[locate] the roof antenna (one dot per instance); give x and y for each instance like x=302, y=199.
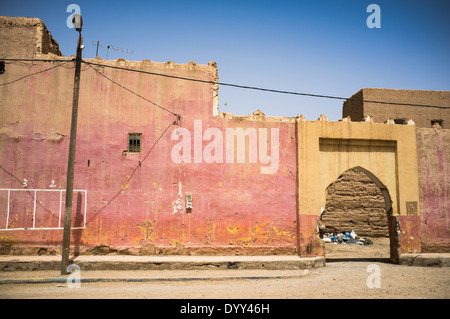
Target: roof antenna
x=109, y=47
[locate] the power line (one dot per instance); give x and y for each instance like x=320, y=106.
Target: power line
x=264, y=89
x=132, y=173
x=230, y=85
x=32, y=74
x=35, y=60
x=65, y=62
x=138, y=95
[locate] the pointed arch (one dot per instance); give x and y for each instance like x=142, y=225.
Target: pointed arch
x=393, y=224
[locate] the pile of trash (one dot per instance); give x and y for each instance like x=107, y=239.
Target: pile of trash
x=346, y=238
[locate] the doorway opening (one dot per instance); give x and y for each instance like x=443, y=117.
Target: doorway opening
x=357, y=221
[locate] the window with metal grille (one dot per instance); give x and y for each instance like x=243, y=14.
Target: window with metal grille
x=134, y=142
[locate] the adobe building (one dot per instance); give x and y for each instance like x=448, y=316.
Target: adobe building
x=430, y=111
x=161, y=170
x=425, y=108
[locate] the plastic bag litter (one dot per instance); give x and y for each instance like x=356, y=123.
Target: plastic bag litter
x=346, y=238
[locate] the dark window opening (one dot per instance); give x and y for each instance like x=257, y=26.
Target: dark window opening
x=437, y=122
x=400, y=121
x=2, y=67
x=134, y=142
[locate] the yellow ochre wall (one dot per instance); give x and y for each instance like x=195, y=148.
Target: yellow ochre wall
x=327, y=149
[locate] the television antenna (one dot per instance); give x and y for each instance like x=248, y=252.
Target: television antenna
x=98, y=45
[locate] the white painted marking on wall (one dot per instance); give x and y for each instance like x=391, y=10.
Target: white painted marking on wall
x=9, y=190
x=7, y=214
x=34, y=210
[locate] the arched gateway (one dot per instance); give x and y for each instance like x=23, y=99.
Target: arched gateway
x=386, y=153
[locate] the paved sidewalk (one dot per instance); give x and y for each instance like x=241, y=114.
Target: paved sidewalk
x=136, y=276
x=119, y=262
x=116, y=268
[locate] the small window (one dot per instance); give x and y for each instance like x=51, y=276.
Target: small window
x=436, y=123
x=134, y=142
x=400, y=121
x=2, y=67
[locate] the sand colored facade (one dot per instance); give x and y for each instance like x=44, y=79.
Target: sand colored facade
x=202, y=182
x=385, y=152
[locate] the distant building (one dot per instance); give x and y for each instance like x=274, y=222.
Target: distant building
x=359, y=106
x=433, y=148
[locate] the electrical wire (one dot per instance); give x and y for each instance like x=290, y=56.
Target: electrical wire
x=32, y=74
x=35, y=60
x=138, y=95
x=120, y=191
x=264, y=89
x=217, y=83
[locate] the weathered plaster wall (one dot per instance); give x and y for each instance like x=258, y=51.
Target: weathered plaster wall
x=136, y=202
x=433, y=155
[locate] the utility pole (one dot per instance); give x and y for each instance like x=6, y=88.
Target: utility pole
x=78, y=23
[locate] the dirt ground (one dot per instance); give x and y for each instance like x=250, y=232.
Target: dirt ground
x=339, y=279
x=379, y=249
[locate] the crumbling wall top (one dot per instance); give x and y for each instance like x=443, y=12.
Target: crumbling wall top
x=26, y=38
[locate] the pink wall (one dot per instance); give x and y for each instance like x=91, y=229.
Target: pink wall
x=134, y=200
x=434, y=183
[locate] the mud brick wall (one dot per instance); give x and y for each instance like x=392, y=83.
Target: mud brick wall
x=354, y=202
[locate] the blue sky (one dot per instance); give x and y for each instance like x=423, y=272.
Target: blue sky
x=319, y=47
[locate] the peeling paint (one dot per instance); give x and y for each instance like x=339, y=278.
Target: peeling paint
x=147, y=228
x=178, y=205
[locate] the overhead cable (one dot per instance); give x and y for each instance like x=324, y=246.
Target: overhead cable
x=263, y=89
x=32, y=74
x=138, y=95
x=218, y=83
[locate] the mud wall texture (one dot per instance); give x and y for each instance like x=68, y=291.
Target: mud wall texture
x=356, y=203
x=433, y=155
x=380, y=113
x=26, y=38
